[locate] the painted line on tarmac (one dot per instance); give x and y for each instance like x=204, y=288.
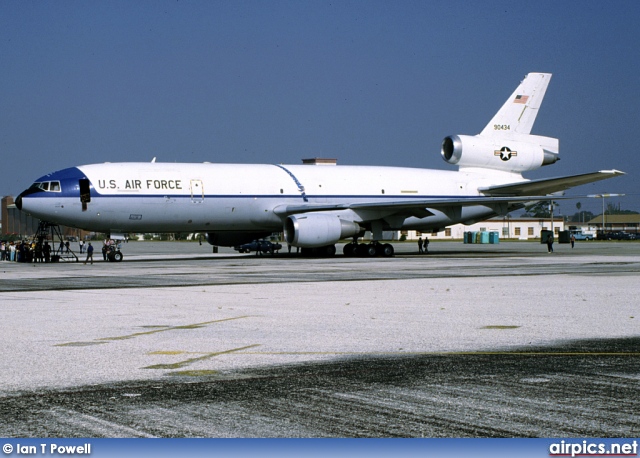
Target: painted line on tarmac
x=190, y=361
x=103, y=340
x=446, y=353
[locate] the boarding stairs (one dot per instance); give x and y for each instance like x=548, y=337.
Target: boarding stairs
x=60, y=250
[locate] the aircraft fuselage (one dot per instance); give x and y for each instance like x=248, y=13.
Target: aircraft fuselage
x=165, y=197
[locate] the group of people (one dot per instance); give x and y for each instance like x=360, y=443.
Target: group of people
x=423, y=245
x=23, y=251
x=39, y=250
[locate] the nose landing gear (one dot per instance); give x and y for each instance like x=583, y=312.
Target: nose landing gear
x=114, y=256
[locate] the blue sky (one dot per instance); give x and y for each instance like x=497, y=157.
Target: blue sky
x=368, y=82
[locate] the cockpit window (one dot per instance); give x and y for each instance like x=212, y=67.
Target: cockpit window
x=48, y=186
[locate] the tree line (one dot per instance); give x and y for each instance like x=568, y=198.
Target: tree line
x=542, y=209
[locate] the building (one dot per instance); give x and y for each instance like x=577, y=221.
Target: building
x=508, y=227
x=16, y=223
x=614, y=223
x=19, y=225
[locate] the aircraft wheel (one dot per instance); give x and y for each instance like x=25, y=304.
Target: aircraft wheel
x=370, y=250
x=117, y=256
x=349, y=249
x=330, y=250
x=386, y=250
x=361, y=250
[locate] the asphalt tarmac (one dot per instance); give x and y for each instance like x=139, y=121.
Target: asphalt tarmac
x=468, y=341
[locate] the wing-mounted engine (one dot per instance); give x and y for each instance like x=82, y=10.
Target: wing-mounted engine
x=511, y=153
x=311, y=230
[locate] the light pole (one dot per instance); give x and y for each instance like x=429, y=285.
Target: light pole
x=551, y=212
x=508, y=218
x=603, y=196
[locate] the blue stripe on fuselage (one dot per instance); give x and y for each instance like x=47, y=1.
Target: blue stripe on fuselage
x=325, y=198
x=296, y=181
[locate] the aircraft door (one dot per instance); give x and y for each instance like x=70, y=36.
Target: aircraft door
x=85, y=193
x=197, y=191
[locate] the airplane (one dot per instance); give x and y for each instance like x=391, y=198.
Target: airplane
x=316, y=205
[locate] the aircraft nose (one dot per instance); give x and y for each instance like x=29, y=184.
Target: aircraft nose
x=18, y=202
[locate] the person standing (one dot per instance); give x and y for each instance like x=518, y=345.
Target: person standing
x=46, y=252
x=420, y=250
x=550, y=243
x=426, y=244
x=573, y=240
x=89, y=254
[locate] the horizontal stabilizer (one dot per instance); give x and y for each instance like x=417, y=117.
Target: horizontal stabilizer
x=548, y=185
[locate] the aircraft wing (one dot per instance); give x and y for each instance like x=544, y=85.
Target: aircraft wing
x=417, y=204
x=516, y=193
x=548, y=185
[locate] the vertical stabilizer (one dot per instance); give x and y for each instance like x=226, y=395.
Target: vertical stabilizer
x=519, y=112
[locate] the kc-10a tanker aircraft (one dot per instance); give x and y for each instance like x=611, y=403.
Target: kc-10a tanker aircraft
x=316, y=205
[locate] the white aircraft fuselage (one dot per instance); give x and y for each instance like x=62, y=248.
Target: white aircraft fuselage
x=165, y=197
x=315, y=205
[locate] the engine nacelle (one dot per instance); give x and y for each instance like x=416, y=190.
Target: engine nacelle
x=310, y=230
x=513, y=153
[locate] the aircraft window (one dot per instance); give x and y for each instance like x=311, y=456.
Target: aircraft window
x=55, y=186
x=44, y=186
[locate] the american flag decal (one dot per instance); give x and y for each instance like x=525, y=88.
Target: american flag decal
x=521, y=99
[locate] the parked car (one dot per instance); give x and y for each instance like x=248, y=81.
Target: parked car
x=618, y=235
x=579, y=235
x=626, y=236
x=259, y=246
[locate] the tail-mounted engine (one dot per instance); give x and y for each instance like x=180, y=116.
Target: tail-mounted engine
x=512, y=153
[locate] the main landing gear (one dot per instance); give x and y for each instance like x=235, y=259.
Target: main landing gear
x=352, y=249
x=364, y=250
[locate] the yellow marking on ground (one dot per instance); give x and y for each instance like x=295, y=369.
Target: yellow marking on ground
x=189, y=361
x=443, y=353
x=175, y=352
x=172, y=328
x=497, y=326
x=145, y=333
x=79, y=344
x=202, y=373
